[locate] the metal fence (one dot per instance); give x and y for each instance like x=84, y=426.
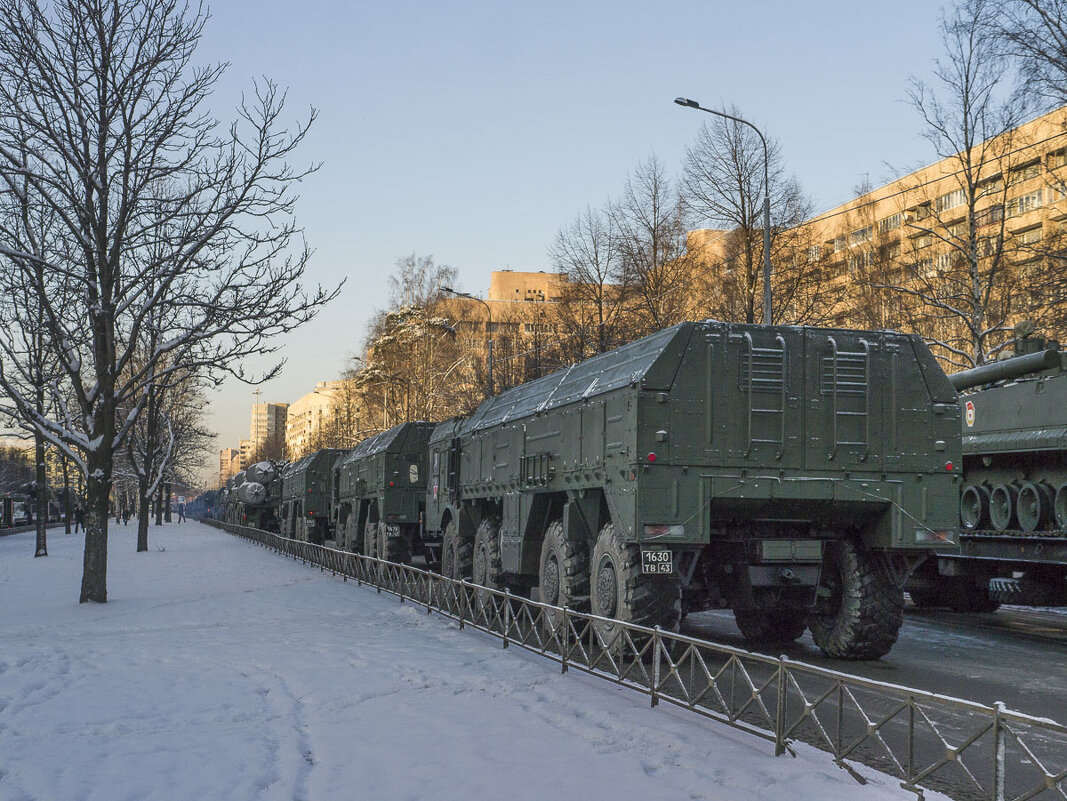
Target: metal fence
x=963, y=749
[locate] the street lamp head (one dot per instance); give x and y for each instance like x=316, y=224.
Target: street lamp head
x=685, y=101
x=447, y=289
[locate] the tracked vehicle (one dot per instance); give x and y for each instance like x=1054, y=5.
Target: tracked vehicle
x=795, y=475
x=381, y=495
x=1013, y=500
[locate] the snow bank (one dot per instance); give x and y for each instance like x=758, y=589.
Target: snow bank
x=219, y=670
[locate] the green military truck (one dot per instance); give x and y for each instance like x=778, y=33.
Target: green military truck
x=307, y=491
x=381, y=495
x=795, y=475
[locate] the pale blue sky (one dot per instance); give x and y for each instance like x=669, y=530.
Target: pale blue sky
x=473, y=131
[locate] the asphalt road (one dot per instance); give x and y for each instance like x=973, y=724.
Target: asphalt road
x=1015, y=655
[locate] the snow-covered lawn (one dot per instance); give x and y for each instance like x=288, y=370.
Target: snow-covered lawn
x=219, y=670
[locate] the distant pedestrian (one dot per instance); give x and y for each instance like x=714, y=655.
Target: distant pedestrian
x=181, y=511
x=79, y=519
x=126, y=516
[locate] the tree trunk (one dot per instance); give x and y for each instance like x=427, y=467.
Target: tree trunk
x=166, y=502
x=94, y=566
x=144, y=506
x=42, y=499
x=144, y=514
x=67, y=509
x=159, y=506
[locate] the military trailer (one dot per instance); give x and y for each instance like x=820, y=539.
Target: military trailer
x=795, y=475
x=307, y=491
x=1013, y=502
x=381, y=495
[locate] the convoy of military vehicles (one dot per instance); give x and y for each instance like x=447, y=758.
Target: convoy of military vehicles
x=797, y=476
x=801, y=477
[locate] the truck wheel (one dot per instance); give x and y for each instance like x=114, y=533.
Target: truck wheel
x=456, y=553
x=621, y=591
x=370, y=540
x=394, y=549
x=771, y=625
x=487, y=569
x=564, y=575
x=860, y=608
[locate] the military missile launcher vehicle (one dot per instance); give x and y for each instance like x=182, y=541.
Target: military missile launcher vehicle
x=255, y=496
x=381, y=496
x=1013, y=500
x=307, y=491
x=795, y=475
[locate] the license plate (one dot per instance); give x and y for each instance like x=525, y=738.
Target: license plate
x=658, y=561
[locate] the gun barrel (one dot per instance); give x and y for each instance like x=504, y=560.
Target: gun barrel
x=1007, y=369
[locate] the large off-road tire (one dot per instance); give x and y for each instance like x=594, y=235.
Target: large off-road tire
x=394, y=549
x=487, y=567
x=621, y=591
x=456, y=553
x=564, y=574
x=860, y=609
x=771, y=626
x=370, y=540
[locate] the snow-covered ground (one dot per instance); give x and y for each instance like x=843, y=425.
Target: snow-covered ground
x=219, y=670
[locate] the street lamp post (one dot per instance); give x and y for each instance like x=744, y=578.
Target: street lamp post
x=684, y=101
x=489, y=327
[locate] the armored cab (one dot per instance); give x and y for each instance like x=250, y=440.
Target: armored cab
x=306, y=495
x=1013, y=503
x=381, y=492
x=795, y=475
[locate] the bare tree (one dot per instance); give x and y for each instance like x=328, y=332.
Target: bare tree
x=102, y=123
x=960, y=267
x=417, y=281
x=650, y=226
x=1034, y=33
x=723, y=180
x=591, y=310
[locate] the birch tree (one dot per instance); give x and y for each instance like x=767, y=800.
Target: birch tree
x=104, y=122
x=960, y=269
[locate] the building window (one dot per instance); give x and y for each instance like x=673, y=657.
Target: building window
x=1024, y=203
x=1031, y=236
x=861, y=260
x=890, y=223
x=859, y=236
x=993, y=186
x=951, y=200
x=945, y=261
x=814, y=253
x=839, y=244
x=1028, y=171
x=1057, y=159
x=989, y=216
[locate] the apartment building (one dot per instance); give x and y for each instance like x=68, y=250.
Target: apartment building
x=307, y=418
x=1000, y=209
x=229, y=463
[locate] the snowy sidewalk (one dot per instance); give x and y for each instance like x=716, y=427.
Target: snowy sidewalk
x=219, y=670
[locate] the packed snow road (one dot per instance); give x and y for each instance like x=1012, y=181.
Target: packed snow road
x=220, y=671
x=1014, y=655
